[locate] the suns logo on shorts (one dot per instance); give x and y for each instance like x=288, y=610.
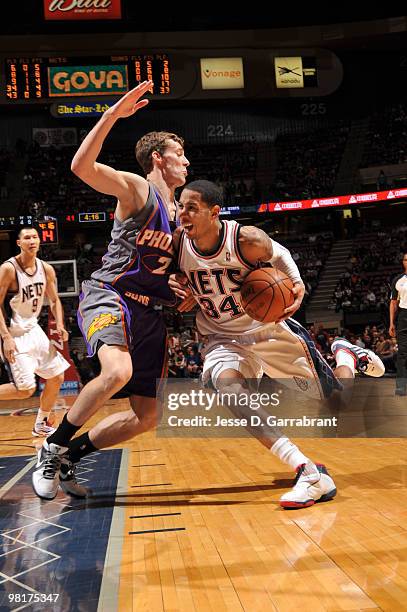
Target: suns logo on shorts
x=102, y=320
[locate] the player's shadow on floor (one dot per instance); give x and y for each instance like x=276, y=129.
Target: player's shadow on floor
x=388, y=477
x=26, y=439
x=139, y=499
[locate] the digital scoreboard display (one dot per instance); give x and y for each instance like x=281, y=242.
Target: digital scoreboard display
x=91, y=217
x=48, y=231
x=16, y=222
x=42, y=78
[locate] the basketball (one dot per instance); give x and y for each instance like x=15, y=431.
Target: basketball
x=266, y=293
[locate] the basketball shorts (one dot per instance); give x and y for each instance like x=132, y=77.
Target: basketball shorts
x=35, y=355
x=105, y=316
x=283, y=351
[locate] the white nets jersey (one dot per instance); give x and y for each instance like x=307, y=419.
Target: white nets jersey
x=215, y=281
x=26, y=304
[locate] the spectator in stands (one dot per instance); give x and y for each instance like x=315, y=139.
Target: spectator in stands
x=322, y=338
x=193, y=363
x=381, y=181
x=172, y=370
x=371, y=298
x=180, y=364
x=385, y=350
x=359, y=341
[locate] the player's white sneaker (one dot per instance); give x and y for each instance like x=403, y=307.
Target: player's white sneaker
x=45, y=478
x=310, y=487
x=42, y=429
x=366, y=361
x=67, y=479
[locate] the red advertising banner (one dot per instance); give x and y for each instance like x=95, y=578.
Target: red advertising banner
x=345, y=200
x=82, y=9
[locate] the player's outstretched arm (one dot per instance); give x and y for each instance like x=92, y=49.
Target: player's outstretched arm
x=130, y=189
x=256, y=246
x=393, y=308
x=7, y=276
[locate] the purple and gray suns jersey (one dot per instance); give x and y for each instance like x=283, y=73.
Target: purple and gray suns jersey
x=139, y=257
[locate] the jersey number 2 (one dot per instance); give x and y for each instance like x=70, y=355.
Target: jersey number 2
x=165, y=261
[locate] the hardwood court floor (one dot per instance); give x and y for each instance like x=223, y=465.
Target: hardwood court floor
x=203, y=529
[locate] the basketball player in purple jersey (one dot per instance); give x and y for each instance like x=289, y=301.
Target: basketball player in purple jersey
x=116, y=311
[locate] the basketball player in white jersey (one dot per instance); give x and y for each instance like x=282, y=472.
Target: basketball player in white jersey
x=215, y=256
x=25, y=348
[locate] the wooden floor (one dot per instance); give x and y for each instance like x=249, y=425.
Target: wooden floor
x=225, y=544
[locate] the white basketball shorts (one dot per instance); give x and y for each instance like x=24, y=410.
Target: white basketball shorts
x=35, y=355
x=282, y=351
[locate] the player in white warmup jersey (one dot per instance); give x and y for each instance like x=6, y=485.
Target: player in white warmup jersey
x=24, y=347
x=215, y=256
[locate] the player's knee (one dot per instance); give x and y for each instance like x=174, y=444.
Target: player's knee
x=115, y=378
x=25, y=393
x=231, y=393
x=231, y=388
x=60, y=378
x=57, y=380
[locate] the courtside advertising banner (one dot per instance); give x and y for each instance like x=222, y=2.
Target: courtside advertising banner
x=63, y=10
x=342, y=200
x=222, y=73
x=87, y=80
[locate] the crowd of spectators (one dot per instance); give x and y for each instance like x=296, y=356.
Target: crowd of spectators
x=306, y=166
x=49, y=186
x=308, y=162
x=310, y=255
x=184, y=354
x=304, y=163
x=232, y=168
x=386, y=141
x=373, y=262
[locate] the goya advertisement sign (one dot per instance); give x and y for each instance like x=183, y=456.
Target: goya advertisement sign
x=87, y=80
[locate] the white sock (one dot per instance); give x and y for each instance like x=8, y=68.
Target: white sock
x=41, y=416
x=344, y=358
x=290, y=454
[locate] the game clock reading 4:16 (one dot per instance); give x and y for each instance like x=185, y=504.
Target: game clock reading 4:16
x=91, y=217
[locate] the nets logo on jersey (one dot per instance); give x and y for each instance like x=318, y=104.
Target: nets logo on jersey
x=302, y=383
x=101, y=321
x=32, y=291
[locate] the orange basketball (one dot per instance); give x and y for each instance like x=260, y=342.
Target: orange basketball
x=265, y=294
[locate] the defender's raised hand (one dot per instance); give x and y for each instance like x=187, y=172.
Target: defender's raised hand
x=130, y=103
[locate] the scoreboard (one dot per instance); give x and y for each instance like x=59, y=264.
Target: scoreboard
x=45, y=78
x=179, y=74
x=47, y=228
x=48, y=231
